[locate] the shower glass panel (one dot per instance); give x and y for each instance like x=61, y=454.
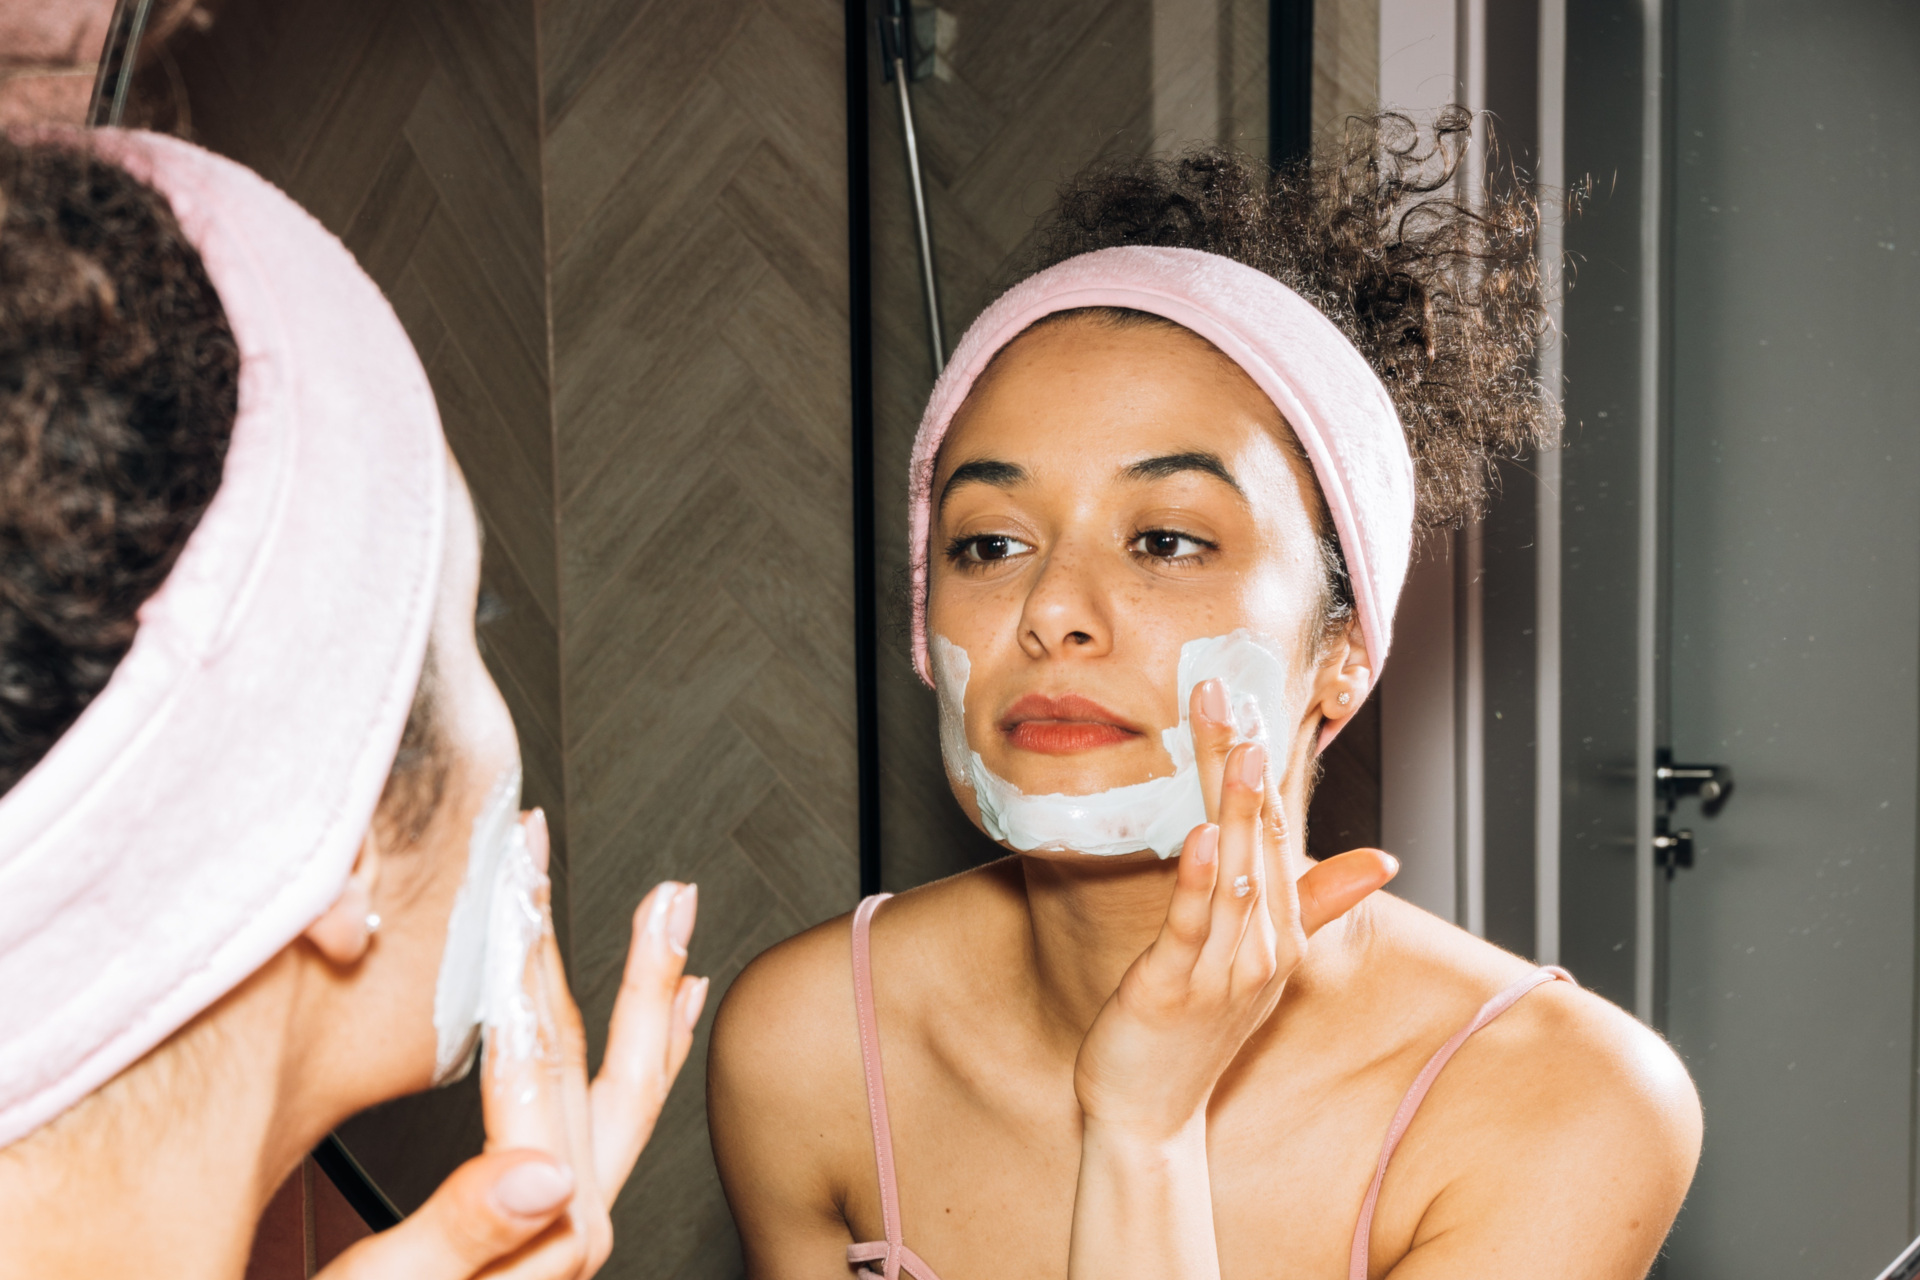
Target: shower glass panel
x=1009, y=99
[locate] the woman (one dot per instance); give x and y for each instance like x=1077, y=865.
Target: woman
x=261, y=860
x=1163, y=500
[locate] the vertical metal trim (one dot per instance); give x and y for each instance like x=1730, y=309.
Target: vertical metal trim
x=1470, y=730
x=1647, y=596
x=1913, y=1075
x=1550, y=189
x=866, y=678
x=1469, y=563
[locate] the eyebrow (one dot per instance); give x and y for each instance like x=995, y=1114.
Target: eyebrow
x=1174, y=463
x=1001, y=475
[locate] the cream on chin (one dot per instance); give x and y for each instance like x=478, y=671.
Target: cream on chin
x=1156, y=814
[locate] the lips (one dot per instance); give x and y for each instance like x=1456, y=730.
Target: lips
x=1063, y=725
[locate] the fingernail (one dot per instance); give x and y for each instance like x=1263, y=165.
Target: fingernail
x=1393, y=864
x=686, y=903
x=1207, y=847
x=694, y=1002
x=1253, y=764
x=533, y=1189
x=539, y=839
x=1213, y=701
x=657, y=911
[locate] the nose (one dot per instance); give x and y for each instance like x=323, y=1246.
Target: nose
x=1067, y=612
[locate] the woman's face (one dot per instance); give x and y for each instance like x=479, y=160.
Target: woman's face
x=1108, y=493
x=418, y=883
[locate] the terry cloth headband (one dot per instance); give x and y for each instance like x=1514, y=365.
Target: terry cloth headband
x=1319, y=381
x=206, y=807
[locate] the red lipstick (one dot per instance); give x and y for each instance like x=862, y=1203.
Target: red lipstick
x=1063, y=725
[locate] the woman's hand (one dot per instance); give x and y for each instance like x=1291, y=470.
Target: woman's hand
x=1231, y=937
x=1148, y=1065
x=534, y=1205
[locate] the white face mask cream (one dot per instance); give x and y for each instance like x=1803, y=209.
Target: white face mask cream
x=499, y=915
x=1156, y=814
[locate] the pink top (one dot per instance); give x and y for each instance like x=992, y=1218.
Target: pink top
x=892, y=1253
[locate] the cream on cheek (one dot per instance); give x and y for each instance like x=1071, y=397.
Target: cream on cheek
x=1156, y=814
x=499, y=915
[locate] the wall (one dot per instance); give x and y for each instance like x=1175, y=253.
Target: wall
x=48, y=53
x=616, y=235
x=696, y=203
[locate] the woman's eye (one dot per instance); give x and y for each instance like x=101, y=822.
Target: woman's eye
x=1165, y=544
x=990, y=547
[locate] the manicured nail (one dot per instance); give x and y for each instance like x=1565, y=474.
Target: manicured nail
x=1207, y=847
x=658, y=909
x=533, y=1189
x=1253, y=764
x=686, y=903
x=1393, y=864
x=1213, y=701
x=693, y=1002
x=539, y=839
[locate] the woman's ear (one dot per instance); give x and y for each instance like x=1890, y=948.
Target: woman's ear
x=1346, y=676
x=345, y=930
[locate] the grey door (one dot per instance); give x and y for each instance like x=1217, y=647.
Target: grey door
x=1793, y=624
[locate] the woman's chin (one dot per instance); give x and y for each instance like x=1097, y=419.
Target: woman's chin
x=1081, y=773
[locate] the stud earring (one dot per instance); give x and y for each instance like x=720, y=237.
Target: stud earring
x=373, y=923
x=1344, y=698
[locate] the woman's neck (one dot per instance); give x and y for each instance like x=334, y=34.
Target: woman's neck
x=163, y=1171
x=1091, y=919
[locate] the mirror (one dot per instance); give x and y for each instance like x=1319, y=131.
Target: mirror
x=681, y=283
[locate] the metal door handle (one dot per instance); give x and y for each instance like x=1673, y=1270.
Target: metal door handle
x=1713, y=783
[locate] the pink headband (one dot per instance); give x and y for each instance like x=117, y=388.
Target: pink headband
x=206, y=808
x=1321, y=384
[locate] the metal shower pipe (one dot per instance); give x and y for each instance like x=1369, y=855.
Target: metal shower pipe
x=894, y=48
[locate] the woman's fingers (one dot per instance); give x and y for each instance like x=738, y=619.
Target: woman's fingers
x=1184, y=933
x=650, y=1034
x=1210, y=721
x=490, y=1209
x=522, y=1072
x=590, y=1200
x=1241, y=874
x=1334, y=887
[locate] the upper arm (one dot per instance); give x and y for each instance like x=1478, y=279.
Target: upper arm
x=1582, y=1156
x=778, y=1103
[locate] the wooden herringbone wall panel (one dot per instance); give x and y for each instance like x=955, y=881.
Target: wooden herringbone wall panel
x=1034, y=94
x=697, y=212
x=411, y=129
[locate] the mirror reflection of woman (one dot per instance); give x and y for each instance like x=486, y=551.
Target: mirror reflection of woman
x=1234, y=1061
x=250, y=758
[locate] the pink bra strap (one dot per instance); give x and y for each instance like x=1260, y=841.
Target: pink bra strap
x=876, y=1084
x=1363, y=1230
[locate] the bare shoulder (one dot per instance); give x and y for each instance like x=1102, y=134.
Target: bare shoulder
x=1558, y=1042
x=785, y=1055
x=1565, y=1111
x=784, y=1028
x=790, y=1013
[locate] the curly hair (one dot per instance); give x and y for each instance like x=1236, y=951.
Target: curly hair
x=1442, y=297
x=118, y=387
